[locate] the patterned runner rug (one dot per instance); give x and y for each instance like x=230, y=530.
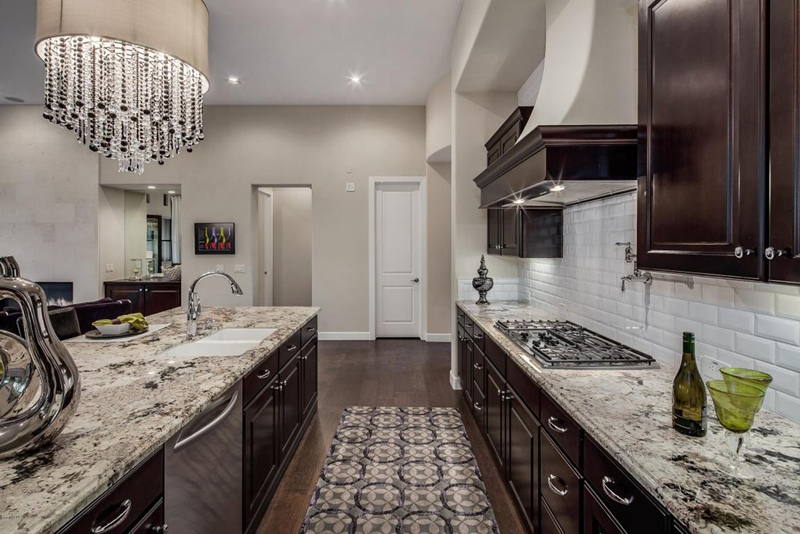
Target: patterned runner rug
x=398, y=471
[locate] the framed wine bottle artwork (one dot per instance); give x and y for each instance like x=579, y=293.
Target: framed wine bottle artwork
x=215, y=239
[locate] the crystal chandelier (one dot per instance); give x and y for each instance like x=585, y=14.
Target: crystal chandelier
x=114, y=77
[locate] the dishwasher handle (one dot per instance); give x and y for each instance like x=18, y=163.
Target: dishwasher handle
x=182, y=443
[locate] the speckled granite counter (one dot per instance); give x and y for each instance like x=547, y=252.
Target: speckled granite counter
x=133, y=400
x=629, y=414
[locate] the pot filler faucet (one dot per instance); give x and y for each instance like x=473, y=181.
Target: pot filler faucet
x=638, y=275
x=193, y=309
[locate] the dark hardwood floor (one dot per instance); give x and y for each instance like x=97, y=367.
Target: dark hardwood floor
x=381, y=373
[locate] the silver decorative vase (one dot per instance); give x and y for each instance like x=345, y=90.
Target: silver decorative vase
x=39, y=382
x=481, y=283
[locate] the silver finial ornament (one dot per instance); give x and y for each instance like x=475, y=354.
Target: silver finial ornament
x=482, y=283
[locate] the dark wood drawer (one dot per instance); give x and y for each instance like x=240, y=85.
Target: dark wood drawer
x=478, y=336
x=290, y=348
x=561, y=486
x=549, y=525
x=126, y=501
x=260, y=377
x=460, y=316
x=628, y=503
x=479, y=405
x=563, y=429
x=309, y=330
x=496, y=355
x=526, y=389
x=478, y=367
x=153, y=522
x=677, y=528
x=598, y=520
x=468, y=325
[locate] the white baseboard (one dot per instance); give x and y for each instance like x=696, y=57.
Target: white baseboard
x=439, y=338
x=344, y=336
x=455, y=381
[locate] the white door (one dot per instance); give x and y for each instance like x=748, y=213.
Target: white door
x=398, y=251
x=266, y=246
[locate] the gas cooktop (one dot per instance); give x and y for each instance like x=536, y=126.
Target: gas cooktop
x=565, y=345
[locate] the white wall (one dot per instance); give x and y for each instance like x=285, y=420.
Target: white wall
x=737, y=323
x=48, y=201
x=111, y=233
x=438, y=122
x=292, y=244
x=321, y=146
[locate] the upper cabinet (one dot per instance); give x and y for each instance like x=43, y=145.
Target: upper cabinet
x=702, y=120
x=783, y=244
x=508, y=134
x=525, y=232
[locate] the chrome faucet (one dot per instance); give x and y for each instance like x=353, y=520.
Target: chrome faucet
x=193, y=309
x=638, y=275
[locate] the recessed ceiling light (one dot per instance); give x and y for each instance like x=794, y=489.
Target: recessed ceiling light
x=557, y=188
x=355, y=79
x=171, y=192
x=234, y=80
x=518, y=201
x=151, y=187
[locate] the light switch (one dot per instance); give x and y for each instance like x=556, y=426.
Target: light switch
x=239, y=269
x=351, y=187
x=109, y=267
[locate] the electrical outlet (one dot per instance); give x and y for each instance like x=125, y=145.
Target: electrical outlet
x=109, y=267
x=351, y=187
x=711, y=367
x=220, y=268
x=239, y=269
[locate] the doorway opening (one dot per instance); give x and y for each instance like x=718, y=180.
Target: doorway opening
x=284, y=245
x=397, y=257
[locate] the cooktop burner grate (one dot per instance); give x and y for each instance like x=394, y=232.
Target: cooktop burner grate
x=562, y=344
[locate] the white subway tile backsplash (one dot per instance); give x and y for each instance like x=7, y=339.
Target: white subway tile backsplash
x=738, y=323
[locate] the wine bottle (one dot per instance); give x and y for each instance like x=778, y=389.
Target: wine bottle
x=689, y=401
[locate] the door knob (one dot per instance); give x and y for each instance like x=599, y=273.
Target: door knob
x=740, y=252
x=415, y=280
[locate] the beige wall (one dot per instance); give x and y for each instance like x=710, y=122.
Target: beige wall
x=111, y=233
x=437, y=122
x=292, y=231
x=321, y=146
x=48, y=201
x=439, y=296
x=135, y=231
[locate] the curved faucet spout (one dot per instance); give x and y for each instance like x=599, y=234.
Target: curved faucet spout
x=193, y=307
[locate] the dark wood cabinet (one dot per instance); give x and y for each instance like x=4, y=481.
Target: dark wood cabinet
x=503, y=232
x=702, y=139
x=495, y=414
x=561, y=486
x=308, y=376
x=261, y=454
x=783, y=243
x=153, y=522
x=523, y=458
x=494, y=243
x=525, y=232
x=596, y=519
x=507, y=135
x=147, y=297
x=290, y=403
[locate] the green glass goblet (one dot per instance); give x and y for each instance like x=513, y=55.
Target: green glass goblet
x=736, y=404
x=758, y=379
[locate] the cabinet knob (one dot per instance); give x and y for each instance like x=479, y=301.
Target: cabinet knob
x=163, y=529
x=771, y=253
x=478, y=406
x=740, y=252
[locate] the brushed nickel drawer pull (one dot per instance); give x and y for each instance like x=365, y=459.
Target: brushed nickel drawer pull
x=117, y=521
x=551, y=482
x=311, y=329
x=608, y=481
x=552, y=422
x=477, y=366
x=264, y=375
x=478, y=406
x=291, y=348
x=478, y=336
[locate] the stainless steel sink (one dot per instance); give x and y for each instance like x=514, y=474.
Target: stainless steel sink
x=226, y=342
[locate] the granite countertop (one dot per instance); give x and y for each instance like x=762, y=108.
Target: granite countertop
x=132, y=401
x=629, y=413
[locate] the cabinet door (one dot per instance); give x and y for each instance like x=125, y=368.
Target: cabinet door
x=468, y=374
x=158, y=299
x=495, y=412
x=510, y=240
x=134, y=293
x=523, y=458
x=310, y=362
x=261, y=458
x=702, y=142
x=596, y=519
x=495, y=229
x=784, y=140
x=290, y=404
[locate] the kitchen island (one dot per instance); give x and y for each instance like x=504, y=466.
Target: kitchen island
x=133, y=400
x=628, y=414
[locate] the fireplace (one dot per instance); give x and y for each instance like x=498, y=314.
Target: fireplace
x=57, y=293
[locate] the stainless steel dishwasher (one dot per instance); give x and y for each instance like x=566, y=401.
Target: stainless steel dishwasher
x=203, y=470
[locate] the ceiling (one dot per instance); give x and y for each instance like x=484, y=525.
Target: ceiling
x=286, y=51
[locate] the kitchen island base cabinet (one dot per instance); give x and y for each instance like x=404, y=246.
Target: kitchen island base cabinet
x=596, y=519
x=523, y=458
x=261, y=458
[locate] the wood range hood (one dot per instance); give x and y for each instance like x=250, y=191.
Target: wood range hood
x=585, y=162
